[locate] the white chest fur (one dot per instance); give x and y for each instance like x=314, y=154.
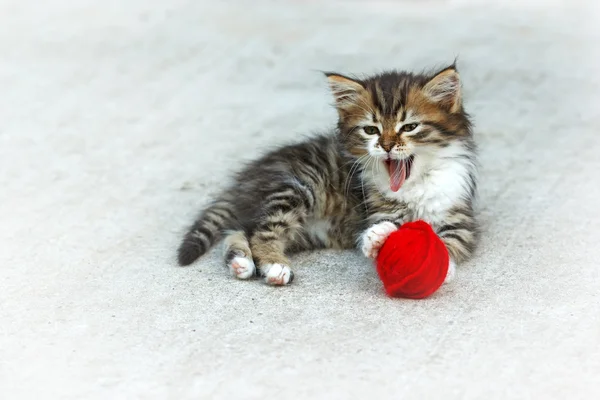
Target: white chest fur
x=436, y=184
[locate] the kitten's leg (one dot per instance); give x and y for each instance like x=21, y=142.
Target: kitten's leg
x=269, y=242
x=238, y=256
x=373, y=238
x=459, y=234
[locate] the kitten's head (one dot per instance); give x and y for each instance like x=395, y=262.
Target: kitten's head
x=395, y=117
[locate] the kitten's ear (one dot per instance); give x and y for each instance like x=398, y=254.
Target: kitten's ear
x=346, y=91
x=444, y=88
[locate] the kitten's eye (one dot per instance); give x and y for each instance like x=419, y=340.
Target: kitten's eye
x=371, y=130
x=409, y=127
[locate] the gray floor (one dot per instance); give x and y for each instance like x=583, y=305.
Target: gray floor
x=118, y=120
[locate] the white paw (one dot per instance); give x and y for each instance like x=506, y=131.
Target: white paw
x=451, y=271
x=242, y=267
x=375, y=236
x=277, y=274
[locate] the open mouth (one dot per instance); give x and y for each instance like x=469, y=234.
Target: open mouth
x=399, y=171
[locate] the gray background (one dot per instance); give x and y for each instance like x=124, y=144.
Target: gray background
x=119, y=120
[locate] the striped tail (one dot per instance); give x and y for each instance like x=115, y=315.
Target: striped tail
x=206, y=231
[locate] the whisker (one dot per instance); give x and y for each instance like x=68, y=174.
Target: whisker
x=368, y=108
x=362, y=184
x=353, y=169
x=373, y=171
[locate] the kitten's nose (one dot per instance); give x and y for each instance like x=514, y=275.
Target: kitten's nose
x=387, y=145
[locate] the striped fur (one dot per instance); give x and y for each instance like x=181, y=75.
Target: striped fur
x=329, y=191
x=207, y=230
x=299, y=197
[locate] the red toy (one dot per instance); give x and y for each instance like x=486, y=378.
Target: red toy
x=413, y=261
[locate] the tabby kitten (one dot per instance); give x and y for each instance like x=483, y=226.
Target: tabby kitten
x=403, y=150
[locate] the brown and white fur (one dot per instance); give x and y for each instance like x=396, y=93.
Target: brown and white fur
x=403, y=150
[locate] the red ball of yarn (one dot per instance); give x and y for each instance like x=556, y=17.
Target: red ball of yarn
x=413, y=261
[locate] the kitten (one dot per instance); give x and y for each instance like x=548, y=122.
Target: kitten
x=403, y=150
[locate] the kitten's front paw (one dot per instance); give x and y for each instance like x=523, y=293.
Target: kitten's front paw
x=278, y=274
x=375, y=236
x=451, y=272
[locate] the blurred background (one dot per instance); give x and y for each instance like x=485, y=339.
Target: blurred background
x=120, y=119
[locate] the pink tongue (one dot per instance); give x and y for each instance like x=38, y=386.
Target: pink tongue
x=397, y=170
